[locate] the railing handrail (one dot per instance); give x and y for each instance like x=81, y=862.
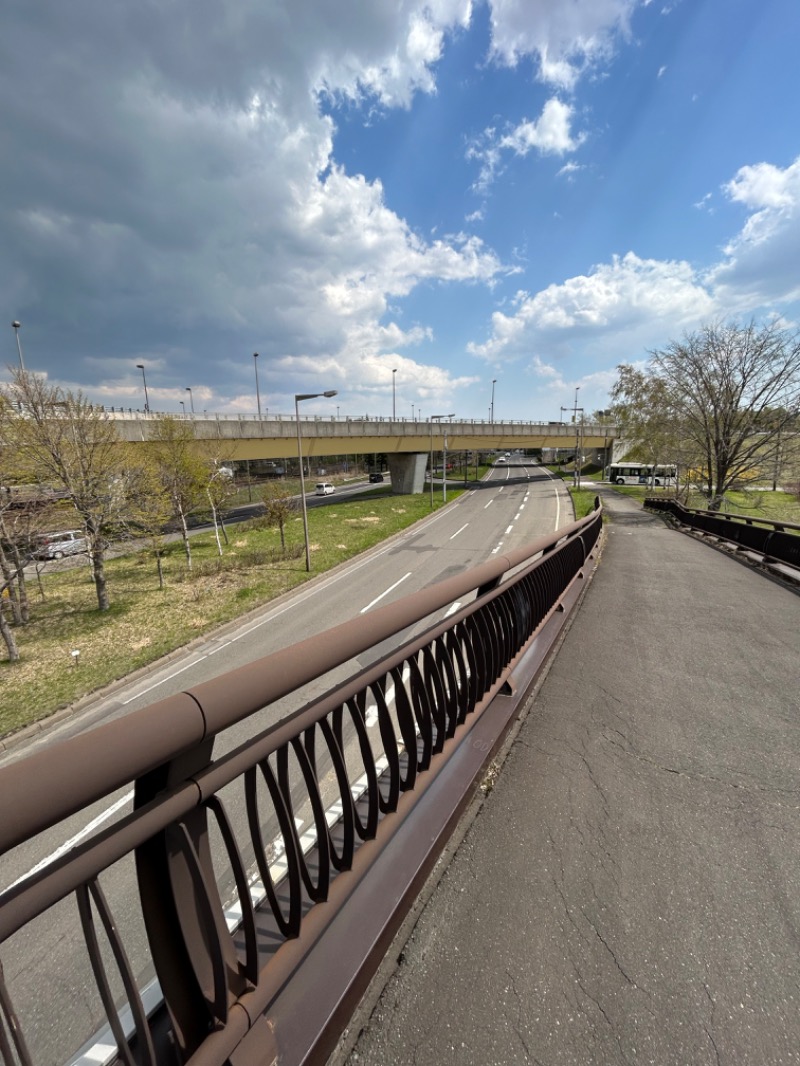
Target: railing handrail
x=777, y=524
x=159, y=733
x=441, y=701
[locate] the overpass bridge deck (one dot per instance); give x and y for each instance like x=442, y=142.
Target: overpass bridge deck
x=273, y=438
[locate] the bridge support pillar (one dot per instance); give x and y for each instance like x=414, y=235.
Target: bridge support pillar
x=408, y=472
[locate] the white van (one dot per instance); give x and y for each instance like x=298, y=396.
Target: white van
x=57, y=545
x=324, y=488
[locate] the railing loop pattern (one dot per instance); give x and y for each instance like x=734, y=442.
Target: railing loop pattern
x=230, y=884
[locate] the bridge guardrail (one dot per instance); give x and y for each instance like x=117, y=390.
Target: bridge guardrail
x=775, y=544
x=415, y=727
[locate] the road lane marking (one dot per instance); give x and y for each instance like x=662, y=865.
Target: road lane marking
x=68, y=845
x=386, y=593
x=459, y=530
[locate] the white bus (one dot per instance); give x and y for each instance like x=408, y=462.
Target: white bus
x=642, y=473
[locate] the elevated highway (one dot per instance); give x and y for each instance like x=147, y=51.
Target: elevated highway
x=276, y=438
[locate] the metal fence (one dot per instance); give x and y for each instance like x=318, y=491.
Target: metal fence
x=261, y=882
x=776, y=544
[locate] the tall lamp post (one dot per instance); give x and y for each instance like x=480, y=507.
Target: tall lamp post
x=394, y=405
x=183, y=405
x=16, y=327
x=258, y=394
x=298, y=397
x=578, y=426
x=191, y=398
x=140, y=366
x=491, y=414
x=437, y=418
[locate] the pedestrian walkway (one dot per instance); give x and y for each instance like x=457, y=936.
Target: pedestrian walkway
x=629, y=891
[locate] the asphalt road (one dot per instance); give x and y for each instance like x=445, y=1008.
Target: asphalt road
x=516, y=504
x=629, y=892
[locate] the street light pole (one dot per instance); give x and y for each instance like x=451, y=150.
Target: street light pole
x=394, y=405
x=494, y=382
x=298, y=397
x=436, y=418
x=191, y=398
x=183, y=405
x=258, y=394
x=16, y=327
x=140, y=366
x=578, y=428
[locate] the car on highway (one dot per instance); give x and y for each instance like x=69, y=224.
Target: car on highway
x=324, y=488
x=376, y=477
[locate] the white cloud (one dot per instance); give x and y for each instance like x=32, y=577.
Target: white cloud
x=565, y=37
x=760, y=264
x=625, y=302
x=189, y=203
x=550, y=134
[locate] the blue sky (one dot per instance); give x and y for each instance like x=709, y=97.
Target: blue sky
x=524, y=191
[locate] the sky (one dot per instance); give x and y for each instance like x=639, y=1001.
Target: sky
x=426, y=205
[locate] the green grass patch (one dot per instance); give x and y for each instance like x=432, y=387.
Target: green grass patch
x=582, y=501
x=756, y=503
x=145, y=622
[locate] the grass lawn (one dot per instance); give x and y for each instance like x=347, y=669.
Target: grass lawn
x=145, y=623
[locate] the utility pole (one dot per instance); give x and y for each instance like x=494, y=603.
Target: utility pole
x=578, y=433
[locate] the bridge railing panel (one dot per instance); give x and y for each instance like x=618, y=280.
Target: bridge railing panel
x=197, y=903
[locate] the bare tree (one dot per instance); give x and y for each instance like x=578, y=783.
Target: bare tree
x=644, y=411
x=147, y=507
x=67, y=442
x=181, y=471
x=279, y=506
x=732, y=393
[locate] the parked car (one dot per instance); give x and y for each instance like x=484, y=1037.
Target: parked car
x=376, y=477
x=57, y=545
x=324, y=488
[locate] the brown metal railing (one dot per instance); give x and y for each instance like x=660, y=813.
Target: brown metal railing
x=245, y=862
x=777, y=542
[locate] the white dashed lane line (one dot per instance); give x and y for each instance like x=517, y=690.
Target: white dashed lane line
x=386, y=593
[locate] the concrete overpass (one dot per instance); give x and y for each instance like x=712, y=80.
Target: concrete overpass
x=406, y=443
x=276, y=437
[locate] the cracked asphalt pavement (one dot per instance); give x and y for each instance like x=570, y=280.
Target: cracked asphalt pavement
x=629, y=890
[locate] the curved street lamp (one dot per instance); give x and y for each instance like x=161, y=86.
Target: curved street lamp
x=140, y=366
x=491, y=409
x=298, y=397
x=191, y=398
x=16, y=327
x=258, y=394
x=394, y=406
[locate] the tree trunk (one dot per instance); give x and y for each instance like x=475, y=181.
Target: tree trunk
x=216, y=526
x=9, y=590
x=8, y=637
x=185, y=534
x=99, y=576
x=22, y=587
